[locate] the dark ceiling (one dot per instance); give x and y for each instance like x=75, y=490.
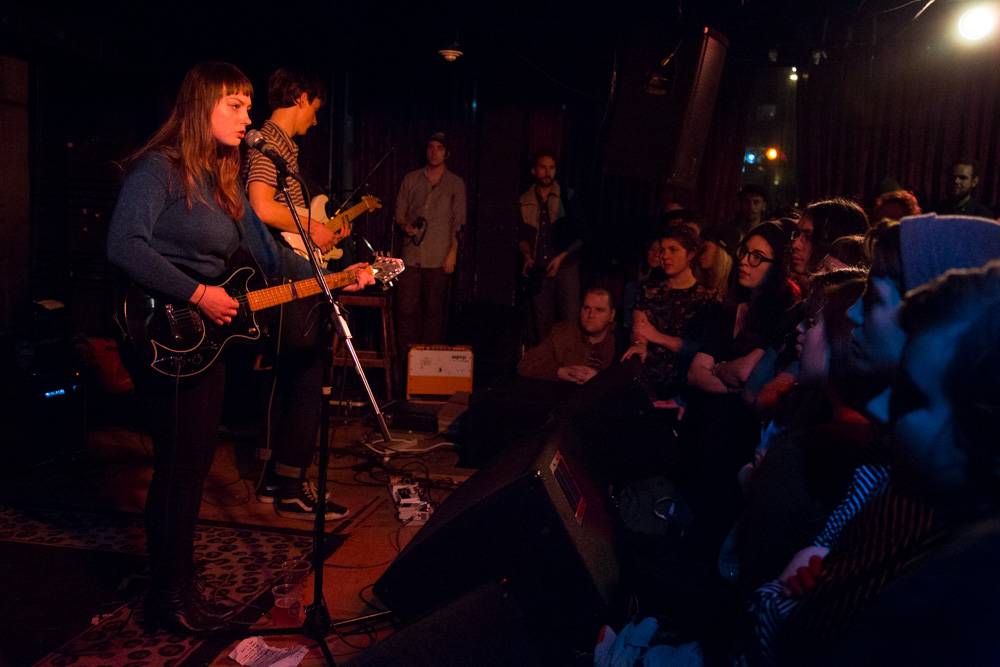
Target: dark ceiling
x=564, y=38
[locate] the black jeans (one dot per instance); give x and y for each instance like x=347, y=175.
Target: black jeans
x=297, y=406
x=185, y=426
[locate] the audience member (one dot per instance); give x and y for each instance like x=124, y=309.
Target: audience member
x=804, y=463
x=895, y=205
x=715, y=261
x=671, y=314
x=944, y=412
x=751, y=207
x=650, y=261
x=576, y=351
x=820, y=225
x=845, y=252
x=906, y=255
x=724, y=429
x=961, y=199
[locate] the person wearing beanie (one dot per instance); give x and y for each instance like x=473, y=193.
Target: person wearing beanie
x=430, y=213
x=904, y=256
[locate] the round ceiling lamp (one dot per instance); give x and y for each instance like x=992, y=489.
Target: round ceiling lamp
x=451, y=53
x=977, y=23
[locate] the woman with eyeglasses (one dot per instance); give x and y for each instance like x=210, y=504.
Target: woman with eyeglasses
x=723, y=428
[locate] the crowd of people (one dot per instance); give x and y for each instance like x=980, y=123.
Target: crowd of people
x=818, y=387
x=830, y=380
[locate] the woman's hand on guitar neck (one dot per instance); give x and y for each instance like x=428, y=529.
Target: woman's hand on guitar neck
x=215, y=304
x=364, y=277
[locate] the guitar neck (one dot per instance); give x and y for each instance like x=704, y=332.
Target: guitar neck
x=300, y=289
x=349, y=215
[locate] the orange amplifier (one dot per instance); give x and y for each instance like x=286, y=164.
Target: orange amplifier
x=438, y=371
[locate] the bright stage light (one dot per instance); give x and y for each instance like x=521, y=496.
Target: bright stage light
x=772, y=153
x=750, y=157
x=977, y=23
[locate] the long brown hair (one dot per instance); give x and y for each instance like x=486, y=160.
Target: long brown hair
x=186, y=137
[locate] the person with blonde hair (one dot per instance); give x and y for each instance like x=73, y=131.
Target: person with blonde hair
x=715, y=260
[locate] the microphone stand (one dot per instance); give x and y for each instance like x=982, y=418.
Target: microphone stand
x=364, y=182
x=389, y=445
x=317, y=624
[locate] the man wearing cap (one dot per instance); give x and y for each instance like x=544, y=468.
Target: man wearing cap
x=430, y=212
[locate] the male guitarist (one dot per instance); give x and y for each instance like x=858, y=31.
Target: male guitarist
x=549, y=238
x=294, y=414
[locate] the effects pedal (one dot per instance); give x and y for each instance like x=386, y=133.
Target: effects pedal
x=413, y=505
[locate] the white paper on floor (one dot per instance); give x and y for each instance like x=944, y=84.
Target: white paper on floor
x=254, y=652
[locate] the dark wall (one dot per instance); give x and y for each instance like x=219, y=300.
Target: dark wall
x=102, y=83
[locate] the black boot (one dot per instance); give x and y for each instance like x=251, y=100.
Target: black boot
x=173, y=609
x=211, y=606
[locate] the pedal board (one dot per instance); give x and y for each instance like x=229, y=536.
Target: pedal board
x=413, y=504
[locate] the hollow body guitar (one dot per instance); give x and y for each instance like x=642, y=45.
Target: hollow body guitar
x=173, y=338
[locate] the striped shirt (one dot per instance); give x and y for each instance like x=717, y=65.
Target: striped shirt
x=262, y=170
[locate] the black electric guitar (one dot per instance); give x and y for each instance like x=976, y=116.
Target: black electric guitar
x=175, y=340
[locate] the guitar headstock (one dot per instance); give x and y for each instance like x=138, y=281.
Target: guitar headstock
x=371, y=203
x=386, y=269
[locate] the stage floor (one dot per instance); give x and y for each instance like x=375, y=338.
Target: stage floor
x=110, y=478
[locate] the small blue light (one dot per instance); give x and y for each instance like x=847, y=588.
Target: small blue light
x=750, y=157
x=475, y=104
x=54, y=392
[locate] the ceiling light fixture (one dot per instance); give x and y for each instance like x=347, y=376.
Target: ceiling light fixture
x=451, y=53
x=977, y=23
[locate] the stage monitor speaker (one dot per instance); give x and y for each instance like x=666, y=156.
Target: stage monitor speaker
x=483, y=627
x=532, y=519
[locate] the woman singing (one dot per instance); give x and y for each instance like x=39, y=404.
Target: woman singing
x=182, y=212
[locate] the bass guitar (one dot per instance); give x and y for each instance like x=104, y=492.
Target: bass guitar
x=174, y=339
x=340, y=225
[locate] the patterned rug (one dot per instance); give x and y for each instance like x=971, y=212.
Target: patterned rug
x=240, y=563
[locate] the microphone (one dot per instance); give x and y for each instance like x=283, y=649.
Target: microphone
x=254, y=139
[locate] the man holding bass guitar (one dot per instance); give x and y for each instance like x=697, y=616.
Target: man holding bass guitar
x=549, y=238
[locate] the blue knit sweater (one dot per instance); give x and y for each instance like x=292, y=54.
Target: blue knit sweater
x=153, y=232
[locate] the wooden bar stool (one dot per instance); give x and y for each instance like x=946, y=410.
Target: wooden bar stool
x=383, y=358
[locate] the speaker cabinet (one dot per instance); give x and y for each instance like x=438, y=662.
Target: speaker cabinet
x=699, y=110
x=532, y=519
x=483, y=627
